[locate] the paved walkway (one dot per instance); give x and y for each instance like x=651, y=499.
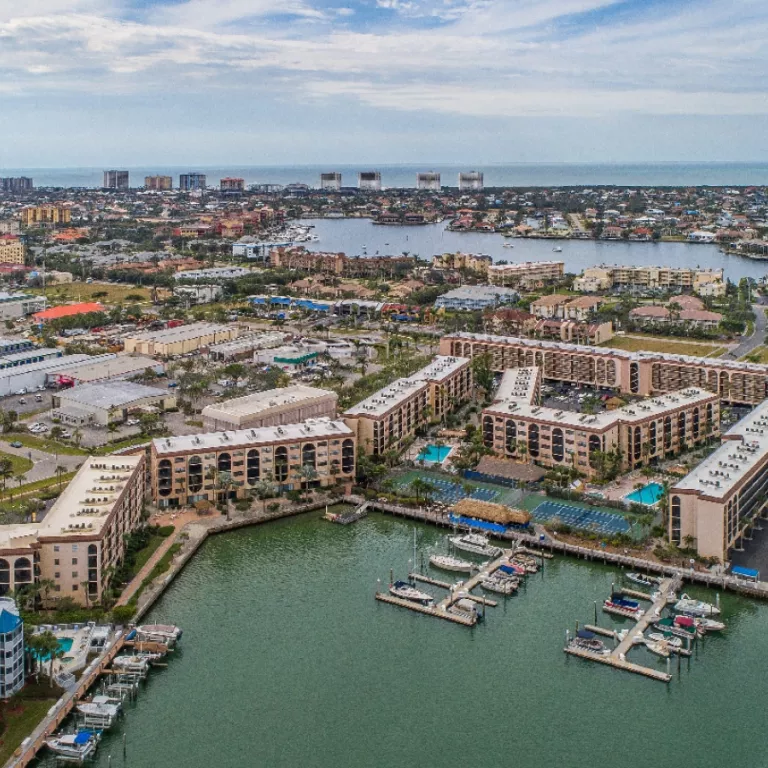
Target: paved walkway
x=178, y=522
x=43, y=464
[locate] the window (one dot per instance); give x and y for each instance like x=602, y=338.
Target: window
x=55, y=547
x=511, y=441
x=74, y=561
x=57, y=575
x=75, y=574
x=675, y=520
x=281, y=464
x=253, y=467
x=634, y=378
x=195, y=470
x=558, y=453
x=56, y=561
x=348, y=456
x=74, y=547
x=75, y=587
x=487, y=431
x=224, y=463
x=308, y=456
x=533, y=440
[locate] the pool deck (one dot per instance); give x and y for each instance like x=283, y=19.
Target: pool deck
x=75, y=658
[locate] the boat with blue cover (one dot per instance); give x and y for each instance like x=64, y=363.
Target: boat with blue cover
x=407, y=591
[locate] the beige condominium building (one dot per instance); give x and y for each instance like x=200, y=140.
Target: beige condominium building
x=470, y=261
x=42, y=215
x=633, y=373
x=194, y=468
x=516, y=426
x=11, y=250
x=603, y=278
x=387, y=418
x=713, y=506
x=82, y=537
x=180, y=340
x=527, y=274
x=287, y=405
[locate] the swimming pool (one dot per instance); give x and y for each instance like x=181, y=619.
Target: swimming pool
x=648, y=495
x=65, y=645
x=434, y=453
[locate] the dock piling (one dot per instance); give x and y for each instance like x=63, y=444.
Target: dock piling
x=596, y=612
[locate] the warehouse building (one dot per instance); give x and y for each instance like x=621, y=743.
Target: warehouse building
x=181, y=340
x=113, y=368
x=33, y=375
x=104, y=404
x=287, y=405
x=67, y=310
x=190, y=469
x=16, y=305
x=82, y=538
x=243, y=346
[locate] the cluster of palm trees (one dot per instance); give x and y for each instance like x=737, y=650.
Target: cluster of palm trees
x=40, y=647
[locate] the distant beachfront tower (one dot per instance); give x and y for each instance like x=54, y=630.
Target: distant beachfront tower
x=369, y=180
x=232, y=185
x=158, y=183
x=331, y=182
x=471, y=181
x=11, y=649
x=429, y=181
x=189, y=182
x=116, y=180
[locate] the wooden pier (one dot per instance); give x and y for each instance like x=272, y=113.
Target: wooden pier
x=445, y=585
x=440, y=613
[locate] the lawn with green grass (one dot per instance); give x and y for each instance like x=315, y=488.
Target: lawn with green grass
x=45, y=444
x=20, y=465
x=107, y=293
x=20, y=716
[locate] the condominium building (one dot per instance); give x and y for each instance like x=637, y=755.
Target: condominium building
x=11, y=250
x=516, y=426
x=634, y=373
x=180, y=340
x=471, y=181
x=189, y=182
x=298, y=257
x=330, y=182
x=287, y=405
x=158, y=183
x=16, y=185
x=195, y=468
x=469, y=298
x=712, y=507
x=11, y=648
x=470, y=261
x=564, y=307
x=369, y=181
x=604, y=278
x=82, y=537
x=429, y=181
x=230, y=184
x=116, y=180
x=45, y=215
x=527, y=274
x=387, y=418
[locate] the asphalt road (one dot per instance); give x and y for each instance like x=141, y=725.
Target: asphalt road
x=757, y=339
x=44, y=464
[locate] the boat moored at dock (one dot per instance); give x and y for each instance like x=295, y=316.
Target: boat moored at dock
x=74, y=747
x=408, y=591
x=475, y=543
x=159, y=633
x=693, y=607
x=448, y=563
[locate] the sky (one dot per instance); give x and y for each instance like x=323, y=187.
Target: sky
x=261, y=82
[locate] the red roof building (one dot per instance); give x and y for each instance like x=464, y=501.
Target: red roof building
x=66, y=310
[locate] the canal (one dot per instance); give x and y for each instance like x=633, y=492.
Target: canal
x=287, y=660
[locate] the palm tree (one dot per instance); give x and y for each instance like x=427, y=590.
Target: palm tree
x=421, y=488
x=307, y=473
x=6, y=471
x=265, y=489
x=60, y=471
x=77, y=437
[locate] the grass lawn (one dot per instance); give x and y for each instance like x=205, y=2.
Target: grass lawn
x=104, y=450
x=115, y=294
x=759, y=355
x=19, y=464
x=44, y=444
x=39, y=485
x=143, y=555
x=673, y=346
x=21, y=716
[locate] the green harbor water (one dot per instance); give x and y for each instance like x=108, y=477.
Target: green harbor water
x=287, y=660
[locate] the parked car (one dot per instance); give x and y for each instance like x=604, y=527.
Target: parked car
x=38, y=398
x=22, y=401
x=132, y=423
x=17, y=444
x=172, y=384
x=22, y=391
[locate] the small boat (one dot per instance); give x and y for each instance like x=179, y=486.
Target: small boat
x=500, y=586
x=659, y=648
x=407, y=591
x=638, y=578
x=588, y=641
x=670, y=625
x=136, y=664
x=623, y=608
x=159, y=633
x=476, y=544
x=671, y=640
x=507, y=245
x=513, y=569
x=464, y=607
x=709, y=625
x=557, y=249
x=528, y=565
x=74, y=747
x=448, y=563
x=98, y=714
x=693, y=607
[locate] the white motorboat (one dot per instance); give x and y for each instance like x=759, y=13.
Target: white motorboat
x=710, y=625
x=557, y=249
x=672, y=641
x=448, y=563
x=465, y=607
x=73, y=747
x=507, y=245
x=406, y=591
x=500, y=586
x=159, y=633
x=638, y=578
x=136, y=664
x=98, y=714
x=475, y=543
x=693, y=607
x=659, y=648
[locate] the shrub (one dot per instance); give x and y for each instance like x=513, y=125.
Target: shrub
x=122, y=614
x=165, y=530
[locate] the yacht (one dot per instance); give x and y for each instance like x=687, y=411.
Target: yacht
x=500, y=586
x=659, y=648
x=448, y=563
x=557, y=249
x=98, y=714
x=136, y=664
x=644, y=581
x=588, y=641
x=672, y=641
x=407, y=591
x=74, y=747
x=710, y=625
x=159, y=633
x=693, y=607
x=475, y=543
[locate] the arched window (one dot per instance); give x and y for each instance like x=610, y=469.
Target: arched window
x=195, y=474
x=634, y=378
x=5, y=577
x=637, y=444
x=667, y=432
x=252, y=466
x=22, y=571
x=594, y=444
x=533, y=440
x=652, y=436
x=164, y=477
x=511, y=436
x=681, y=428
x=695, y=425
x=488, y=431
x=725, y=384
x=224, y=462
x=308, y=455
x=674, y=520
x=281, y=464
x=558, y=446
x=348, y=456
x=710, y=415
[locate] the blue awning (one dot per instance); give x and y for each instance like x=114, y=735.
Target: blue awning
x=748, y=573
x=83, y=737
